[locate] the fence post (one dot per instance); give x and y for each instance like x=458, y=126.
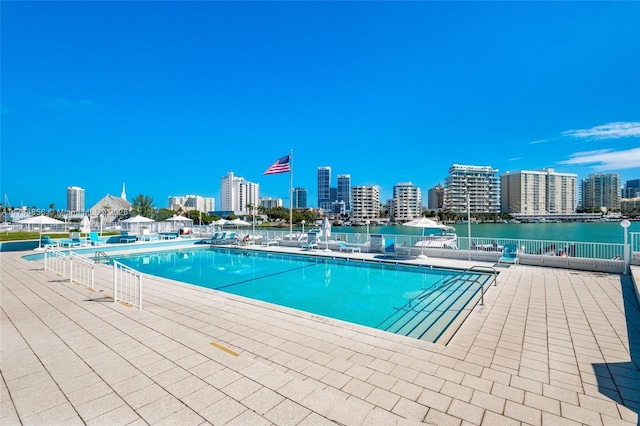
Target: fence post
x=70, y=269
x=140, y=292
x=45, y=258
x=115, y=281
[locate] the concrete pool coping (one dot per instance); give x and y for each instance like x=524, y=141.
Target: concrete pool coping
x=550, y=346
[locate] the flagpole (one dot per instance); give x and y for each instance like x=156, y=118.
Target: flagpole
x=291, y=194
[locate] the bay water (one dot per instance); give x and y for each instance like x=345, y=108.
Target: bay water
x=603, y=232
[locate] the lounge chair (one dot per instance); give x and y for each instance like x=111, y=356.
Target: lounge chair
x=47, y=242
x=390, y=248
x=94, y=239
x=214, y=238
x=126, y=238
x=347, y=247
x=376, y=243
x=509, y=255
x=312, y=241
x=73, y=242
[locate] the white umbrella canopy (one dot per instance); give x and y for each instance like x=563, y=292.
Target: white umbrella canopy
x=85, y=225
x=426, y=223
x=40, y=220
x=179, y=219
x=138, y=219
x=326, y=232
x=238, y=222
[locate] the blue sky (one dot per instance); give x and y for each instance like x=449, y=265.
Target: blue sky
x=168, y=97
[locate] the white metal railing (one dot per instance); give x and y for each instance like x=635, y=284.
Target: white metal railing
x=55, y=261
x=127, y=285
x=81, y=270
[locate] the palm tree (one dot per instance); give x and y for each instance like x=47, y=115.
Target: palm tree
x=143, y=206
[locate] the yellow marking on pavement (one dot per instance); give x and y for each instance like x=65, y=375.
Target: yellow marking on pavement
x=227, y=350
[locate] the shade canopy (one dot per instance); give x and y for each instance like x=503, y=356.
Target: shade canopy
x=179, y=219
x=238, y=222
x=41, y=220
x=138, y=219
x=425, y=223
x=85, y=225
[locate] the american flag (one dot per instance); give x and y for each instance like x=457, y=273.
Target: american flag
x=282, y=165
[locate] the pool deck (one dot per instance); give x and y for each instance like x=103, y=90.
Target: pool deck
x=549, y=347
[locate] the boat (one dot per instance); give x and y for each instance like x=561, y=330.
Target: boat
x=446, y=239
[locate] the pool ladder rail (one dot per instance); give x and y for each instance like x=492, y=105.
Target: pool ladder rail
x=422, y=314
x=100, y=254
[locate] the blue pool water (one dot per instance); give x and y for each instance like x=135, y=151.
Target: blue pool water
x=367, y=293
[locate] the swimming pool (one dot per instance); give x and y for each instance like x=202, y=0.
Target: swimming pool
x=420, y=302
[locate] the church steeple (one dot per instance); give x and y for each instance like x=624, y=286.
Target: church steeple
x=124, y=193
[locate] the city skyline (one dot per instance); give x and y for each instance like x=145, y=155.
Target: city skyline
x=386, y=92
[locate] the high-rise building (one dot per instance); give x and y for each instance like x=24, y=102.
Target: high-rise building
x=324, y=187
x=75, y=199
x=631, y=189
x=192, y=202
x=237, y=193
x=435, y=198
x=365, y=202
x=344, y=191
x=407, y=202
x=601, y=192
x=480, y=183
x=538, y=192
x=300, y=196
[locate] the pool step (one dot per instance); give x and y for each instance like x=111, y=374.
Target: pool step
x=431, y=312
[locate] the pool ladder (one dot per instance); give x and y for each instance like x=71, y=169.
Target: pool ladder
x=101, y=254
x=457, y=279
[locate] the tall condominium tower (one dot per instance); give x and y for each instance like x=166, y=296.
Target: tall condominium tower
x=479, y=183
x=344, y=191
x=601, y=191
x=407, y=202
x=365, y=202
x=538, y=192
x=324, y=187
x=236, y=193
x=631, y=189
x=75, y=199
x=435, y=198
x=300, y=196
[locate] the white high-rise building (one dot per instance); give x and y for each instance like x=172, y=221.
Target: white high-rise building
x=75, y=199
x=236, y=193
x=192, y=202
x=365, y=202
x=538, y=192
x=480, y=183
x=407, y=202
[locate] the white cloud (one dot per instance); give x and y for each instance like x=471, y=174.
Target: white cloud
x=537, y=142
x=607, y=131
x=515, y=159
x=606, y=159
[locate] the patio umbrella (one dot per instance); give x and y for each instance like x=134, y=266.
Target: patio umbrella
x=40, y=220
x=220, y=222
x=425, y=223
x=326, y=232
x=238, y=222
x=85, y=225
